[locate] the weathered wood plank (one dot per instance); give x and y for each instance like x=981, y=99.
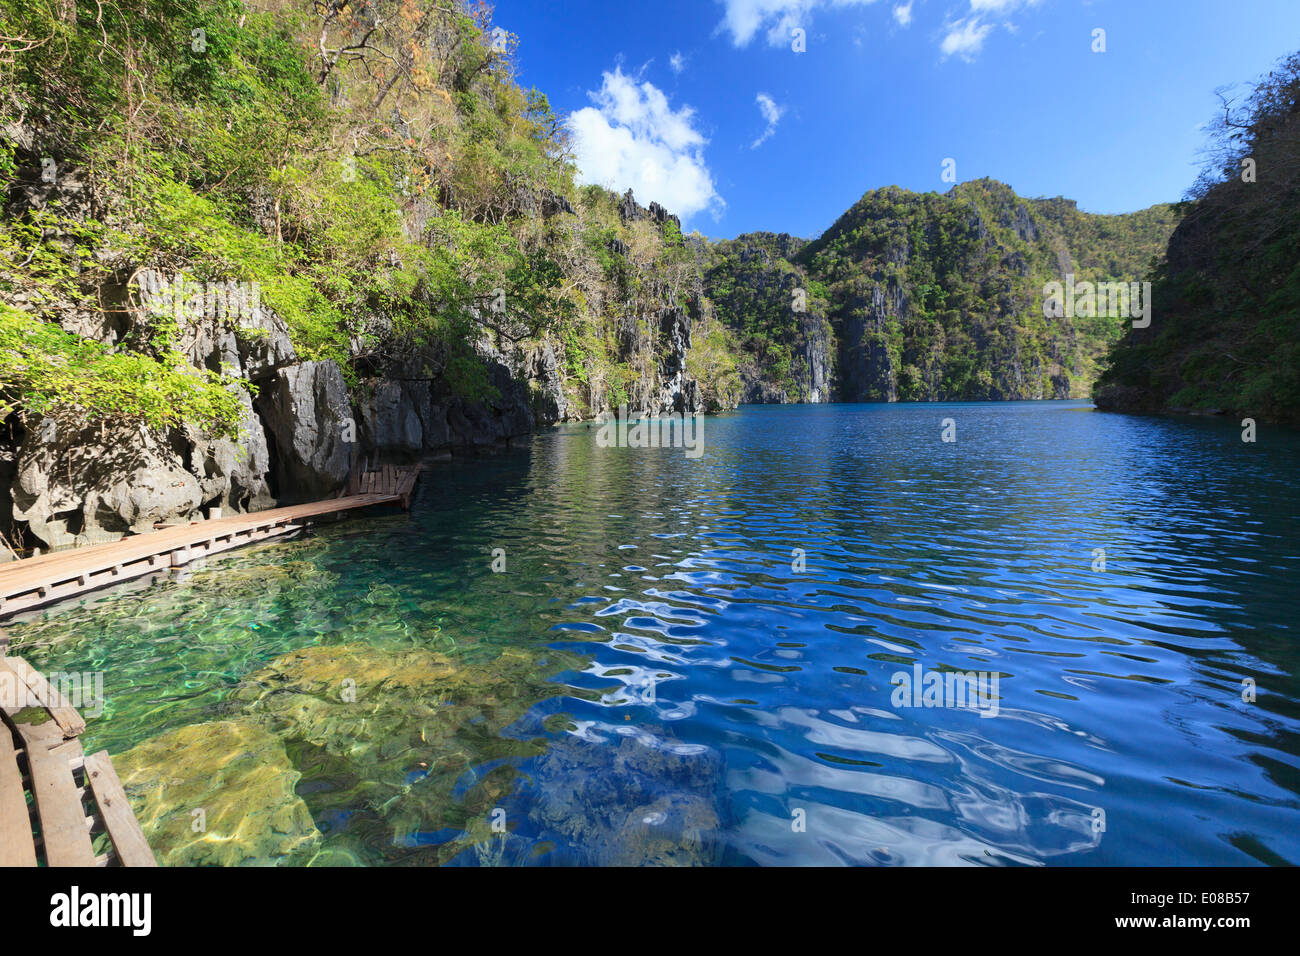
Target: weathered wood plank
x=16, y=846
x=123, y=829
x=61, y=817
x=64, y=714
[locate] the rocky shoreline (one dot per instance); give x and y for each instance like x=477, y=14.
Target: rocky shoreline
x=303, y=432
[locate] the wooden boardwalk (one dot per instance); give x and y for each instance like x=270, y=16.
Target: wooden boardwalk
x=387, y=479
x=33, y=582
x=54, y=800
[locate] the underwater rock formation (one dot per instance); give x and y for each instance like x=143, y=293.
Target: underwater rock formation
x=237, y=777
x=383, y=739
x=630, y=804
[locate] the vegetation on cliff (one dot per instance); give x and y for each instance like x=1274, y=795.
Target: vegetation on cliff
x=1225, y=333
x=928, y=296
x=775, y=312
x=370, y=165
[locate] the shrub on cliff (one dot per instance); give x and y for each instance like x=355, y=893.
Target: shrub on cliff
x=1226, y=330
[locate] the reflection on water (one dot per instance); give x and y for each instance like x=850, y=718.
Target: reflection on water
x=690, y=660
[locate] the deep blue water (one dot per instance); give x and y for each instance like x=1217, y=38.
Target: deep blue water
x=673, y=689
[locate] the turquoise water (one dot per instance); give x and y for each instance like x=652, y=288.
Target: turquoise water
x=656, y=676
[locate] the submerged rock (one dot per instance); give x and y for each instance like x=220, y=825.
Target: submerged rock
x=238, y=776
x=635, y=804
x=675, y=830
x=391, y=743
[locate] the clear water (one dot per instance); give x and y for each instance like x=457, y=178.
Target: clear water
x=651, y=681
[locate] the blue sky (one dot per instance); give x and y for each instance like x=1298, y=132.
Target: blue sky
x=704, y=106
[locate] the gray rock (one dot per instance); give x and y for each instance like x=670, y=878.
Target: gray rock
x=77, y=486
x=306, y=410
x=390, y=419
x=548, y=402
x=233, y=474
x=437, y=433
x=264, y=344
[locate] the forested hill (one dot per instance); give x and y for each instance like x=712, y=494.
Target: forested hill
x=928, y=296
x=1225, y=335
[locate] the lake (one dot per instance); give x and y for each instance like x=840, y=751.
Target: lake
x=576, y=654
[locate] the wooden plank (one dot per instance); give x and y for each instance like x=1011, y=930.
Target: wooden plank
x=62, y=819
x=105, y=556
x=65, y=715
x=16, y=846
x=35, y=581
x=124, y=831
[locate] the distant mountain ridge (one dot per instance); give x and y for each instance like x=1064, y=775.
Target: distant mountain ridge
x=929, y=297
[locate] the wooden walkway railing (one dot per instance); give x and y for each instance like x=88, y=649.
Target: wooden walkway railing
x=53, y=798
x=33, y=582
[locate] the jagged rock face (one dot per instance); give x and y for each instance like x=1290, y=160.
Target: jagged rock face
x=545, y=203
x=409, y=418
x=233, y=474
x=630, y=210
x=548, y=402
x=390, y=417
x=77, y=485
x=759, y=391
x=659, y=215
x=817, y=356
x=87, y=485
x=1023, y=225
x=867, y=370
x=755, y=281
x=224, y=325
x=81, y=485
x=676, y=392
x=307, y=412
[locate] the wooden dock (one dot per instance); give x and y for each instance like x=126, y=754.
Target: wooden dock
x=33, y=582
x=387, y=479
x=54, y=800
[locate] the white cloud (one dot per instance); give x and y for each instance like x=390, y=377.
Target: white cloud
x=775, y=19
x=677, y=62
x=632, y=138
x=772, y=114
x=743, y=19
x=965, y=37
x=999, y=6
